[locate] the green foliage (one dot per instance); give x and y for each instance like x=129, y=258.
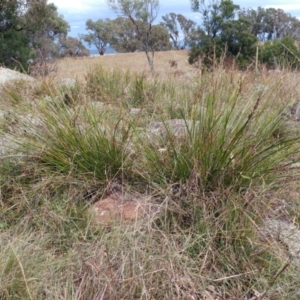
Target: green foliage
x=138, y=91
x=11, y=15
x=44, y=19
x=127, y=37
x=222, y=35
x=271, y=23
x=124, y=89
x=124, y=38
x=29, y=29
x=158, y=39
x=171, y=22
x=100, y=35
x=72, y=47
x=14, y=49
x=280, y=54
x=187, y=26
x=105, y=87
x=97, y=151
x=229, y=142
x=239, y=42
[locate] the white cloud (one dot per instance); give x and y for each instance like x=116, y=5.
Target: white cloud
x=77, y=5
x=76, y=12
x=290, y=6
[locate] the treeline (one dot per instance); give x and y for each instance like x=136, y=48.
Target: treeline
x=227, y=32
x=126, y=36
x=248, y=35
x=33, y=30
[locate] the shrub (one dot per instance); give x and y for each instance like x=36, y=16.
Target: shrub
x=230, y=140
x=91, y=146
x=280, y=54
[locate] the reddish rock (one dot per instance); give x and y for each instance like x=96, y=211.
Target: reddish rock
x=116, y=208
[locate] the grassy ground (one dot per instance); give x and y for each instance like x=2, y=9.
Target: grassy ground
x=135, y=62
x=212, y=184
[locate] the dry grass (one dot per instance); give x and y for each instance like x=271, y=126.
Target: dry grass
x=204, y=242
x=168, y=64
x=135, y=62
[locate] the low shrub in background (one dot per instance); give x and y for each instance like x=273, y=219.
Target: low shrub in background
x=280, y=54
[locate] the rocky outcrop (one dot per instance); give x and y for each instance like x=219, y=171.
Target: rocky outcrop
x=8, y=76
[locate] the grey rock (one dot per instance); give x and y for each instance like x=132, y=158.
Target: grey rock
x=96, y=105
x=68, y=83
x=48, y=99
x=24, y=124
x=135, y=112
x=7, y=144
x=297, y=111
x=3, y=114
x=288, y=235
x=177, y=127
x=260, y=88
x=294, y=166
x=9, y=76
x=275, y=71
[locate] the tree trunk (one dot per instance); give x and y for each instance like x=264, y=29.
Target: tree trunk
x=150, y=58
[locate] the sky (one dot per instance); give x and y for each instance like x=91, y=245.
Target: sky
x=77, y=12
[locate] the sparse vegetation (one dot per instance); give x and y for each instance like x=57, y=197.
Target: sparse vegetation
x=212, y=153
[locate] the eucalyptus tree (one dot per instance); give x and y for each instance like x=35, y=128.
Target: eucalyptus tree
x=170, y=22
x=187, y=27
x=177, y=25
x=124, y=37
x=100, y=34
x=72, y=47
x=221, y=33
x=159, y=39
x=11, y=15
x=14, y=44
x=127, y=39
x=45, y=28
x=29, y=29
x=142, y=14
x=271, y=23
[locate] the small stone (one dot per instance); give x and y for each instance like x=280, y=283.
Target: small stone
x=68, y=83
x=178, y=127
x=116, y=208
x=135, y=111
x=297, y=111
